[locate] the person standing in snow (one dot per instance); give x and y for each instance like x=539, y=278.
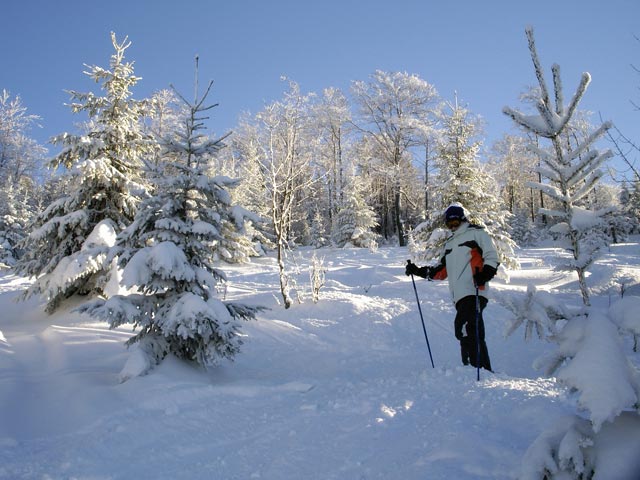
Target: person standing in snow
x=470, y=260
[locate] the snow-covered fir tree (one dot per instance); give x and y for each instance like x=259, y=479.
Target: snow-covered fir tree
x=12, y=225
x=628, y=220
x=319, y=236
x=619, y=222
x=65, y=250
x=523, y=230
x=461, y=179
x=11, y=233
x=589, y=360
x=589, y=357
x=167, y=259
x=355, y=219
x=572, y=171
x=234, y=244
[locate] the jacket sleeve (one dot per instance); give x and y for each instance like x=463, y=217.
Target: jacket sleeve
x=489, y=252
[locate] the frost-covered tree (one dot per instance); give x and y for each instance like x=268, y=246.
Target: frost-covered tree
x=523, y=230
x=332, y=117
x=20, y=155
x=395, y=111
x=276, y=149
x=356, y=219
x=572, y=170
x=462, y=179
x=630, y=200
x=164, y=116
x=105, y=166
x=588, y=358
x=167, y=259
x=14, y=213
x=21, y=159
x=512, y=164
x=318, y=233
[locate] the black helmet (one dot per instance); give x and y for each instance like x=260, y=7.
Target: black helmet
x=454, y=212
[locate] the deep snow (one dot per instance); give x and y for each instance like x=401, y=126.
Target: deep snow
x=341, y=389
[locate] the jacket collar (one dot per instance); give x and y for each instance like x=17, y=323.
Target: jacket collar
x=461, y=229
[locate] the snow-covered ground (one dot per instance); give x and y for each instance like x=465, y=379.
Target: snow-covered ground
x=341, y=389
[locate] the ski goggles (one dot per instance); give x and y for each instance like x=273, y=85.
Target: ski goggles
x=453, y=223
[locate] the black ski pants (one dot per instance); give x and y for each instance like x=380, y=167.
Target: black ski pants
x=466, y=317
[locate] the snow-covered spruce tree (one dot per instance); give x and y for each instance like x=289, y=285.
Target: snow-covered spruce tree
x=167, y=260
x=319, y=237
x=590, y=361
x=234, y=244
x=11, y=227
x=462, y=179
x=11, y=233
x=572, y=171
x=355, y=219
x=631, y=198
x=589, y=358
x=67, y=248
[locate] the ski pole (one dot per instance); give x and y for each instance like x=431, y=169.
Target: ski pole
x=477, y=330
x=424, y=329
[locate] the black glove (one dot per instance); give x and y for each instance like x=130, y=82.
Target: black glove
x=413, y=269
x=484, y=275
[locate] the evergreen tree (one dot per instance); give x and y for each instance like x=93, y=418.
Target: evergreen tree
x=318, y=232
x=572, y=169
x=461, y=179
x=356, y=219
x=167, y=258
x=16, y=204
x=630, y=200
x=589, y=358
x=523, y=230
x=104, y=164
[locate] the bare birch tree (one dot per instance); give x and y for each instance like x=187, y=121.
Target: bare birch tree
x=274, y=145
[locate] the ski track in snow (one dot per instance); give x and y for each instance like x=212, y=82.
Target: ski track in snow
x=341, y=389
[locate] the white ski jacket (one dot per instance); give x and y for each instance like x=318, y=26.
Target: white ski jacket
x=457, y=259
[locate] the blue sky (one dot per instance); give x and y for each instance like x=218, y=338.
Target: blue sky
x=475, y=48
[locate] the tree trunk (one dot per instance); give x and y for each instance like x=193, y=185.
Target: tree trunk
x=584, y=289
x=398, y=220
x=582, y=279
x=284, y=280
x=426, y=181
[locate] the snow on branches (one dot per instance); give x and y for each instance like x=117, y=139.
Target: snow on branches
x=571, y=166
x=167, y=257
x=588, y=356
